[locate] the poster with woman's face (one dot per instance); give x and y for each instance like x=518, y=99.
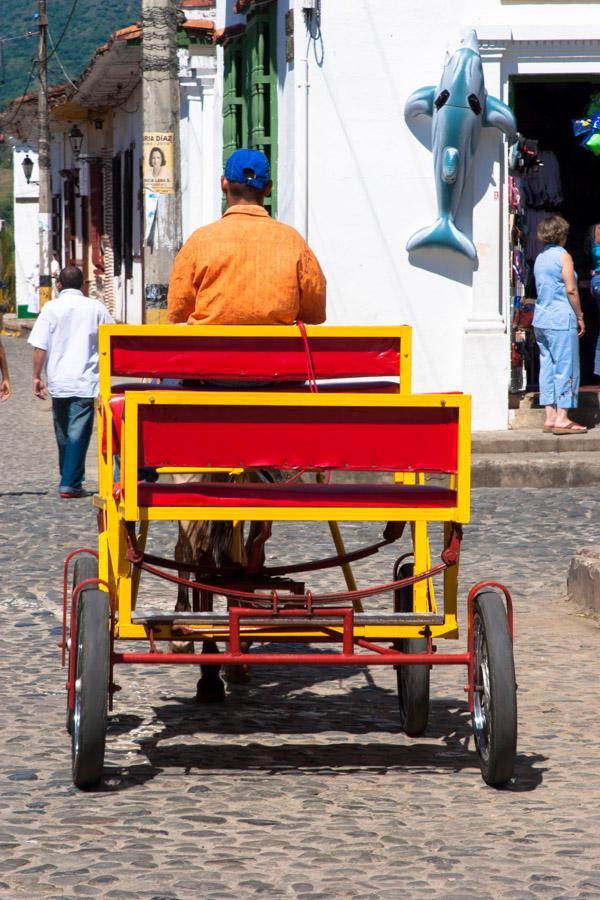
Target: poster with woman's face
x=158, y=162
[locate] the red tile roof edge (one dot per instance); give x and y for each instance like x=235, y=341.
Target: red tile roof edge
x=222, y=36
x=197, y=4
x=199, y=25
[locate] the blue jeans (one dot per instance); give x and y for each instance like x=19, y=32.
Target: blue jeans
x=73, y=426
x=559, y=367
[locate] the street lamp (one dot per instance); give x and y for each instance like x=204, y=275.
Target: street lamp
x=76, y=140
x=27, y=166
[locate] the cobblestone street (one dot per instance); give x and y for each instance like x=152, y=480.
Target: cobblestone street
x=301, y=784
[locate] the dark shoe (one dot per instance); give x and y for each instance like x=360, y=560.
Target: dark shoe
x=74, y=495
x=210, y=690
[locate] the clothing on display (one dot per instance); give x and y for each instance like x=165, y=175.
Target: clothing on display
x=593, y=247
x=542, y=182
x=534, y=191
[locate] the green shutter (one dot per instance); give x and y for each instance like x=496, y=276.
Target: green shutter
x=250, y=92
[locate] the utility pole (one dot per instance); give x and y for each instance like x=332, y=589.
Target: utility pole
x=2, y=289
x=45, y=192
x=161, y=163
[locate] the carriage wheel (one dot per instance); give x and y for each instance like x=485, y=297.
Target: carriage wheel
x=85, y=567
x=413, y=681
x=92, y=664
x=495, y=698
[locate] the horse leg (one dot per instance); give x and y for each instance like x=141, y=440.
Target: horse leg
x=183, y=554
x=210, y=687
x=260, y=532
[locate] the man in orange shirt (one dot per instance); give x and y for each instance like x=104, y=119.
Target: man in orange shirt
x=246, y=268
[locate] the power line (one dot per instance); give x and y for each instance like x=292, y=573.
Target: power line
x=59, y=61
x=63, y=32
x=17, y=37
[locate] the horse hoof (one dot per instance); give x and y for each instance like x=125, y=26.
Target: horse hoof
x=181, y=646
x=237, y=674
x=210, y=690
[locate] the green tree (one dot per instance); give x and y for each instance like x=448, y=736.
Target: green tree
x=90, y=26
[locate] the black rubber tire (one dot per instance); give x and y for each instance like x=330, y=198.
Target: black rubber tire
x=92, y=666
x=85, y=567
x=495, y=700
x=412, y=681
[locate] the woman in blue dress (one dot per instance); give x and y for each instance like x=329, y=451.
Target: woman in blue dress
x=558, y=323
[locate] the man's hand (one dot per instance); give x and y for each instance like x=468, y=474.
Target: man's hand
x=5, y=389
x=39, y=388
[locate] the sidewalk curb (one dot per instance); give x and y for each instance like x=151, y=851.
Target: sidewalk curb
x=583, y=579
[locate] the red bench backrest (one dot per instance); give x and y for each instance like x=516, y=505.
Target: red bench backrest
x=380, y=437
x=253, y=358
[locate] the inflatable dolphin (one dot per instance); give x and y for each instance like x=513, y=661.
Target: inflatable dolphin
x=458, y=107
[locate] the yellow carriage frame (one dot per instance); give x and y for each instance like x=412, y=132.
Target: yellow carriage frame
x=121, y=507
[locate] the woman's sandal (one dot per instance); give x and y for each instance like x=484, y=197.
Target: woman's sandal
x=571, y=428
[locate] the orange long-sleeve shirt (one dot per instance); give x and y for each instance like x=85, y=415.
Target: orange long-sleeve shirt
x=246, y=269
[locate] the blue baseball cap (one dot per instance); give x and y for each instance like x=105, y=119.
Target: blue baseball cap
x=248, y=167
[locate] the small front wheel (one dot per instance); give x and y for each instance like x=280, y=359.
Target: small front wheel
x=413, y=681
x=92, y=668
x=495, y=697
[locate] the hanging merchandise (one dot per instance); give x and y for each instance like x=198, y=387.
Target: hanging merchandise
x=589, y=126
x=523, y=154
x=534, y=190
x=542, y=182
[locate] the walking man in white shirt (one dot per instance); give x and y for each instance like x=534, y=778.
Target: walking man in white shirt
x=65, y=340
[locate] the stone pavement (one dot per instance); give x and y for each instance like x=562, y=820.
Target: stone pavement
x=301, y=784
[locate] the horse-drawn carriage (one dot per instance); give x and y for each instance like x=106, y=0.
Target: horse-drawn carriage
x=330, y=410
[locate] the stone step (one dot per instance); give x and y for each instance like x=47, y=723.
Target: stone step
x=534, y=441
x=519, y=419
x=10, y=323
x=547, y=470
x=525, y=411
x=530, y=458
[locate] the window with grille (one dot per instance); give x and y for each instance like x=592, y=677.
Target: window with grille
x=250, y=92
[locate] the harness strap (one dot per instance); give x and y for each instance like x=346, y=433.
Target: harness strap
x=449, y=559
x=310, y=366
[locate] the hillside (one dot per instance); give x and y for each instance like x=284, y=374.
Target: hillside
x=92, y=22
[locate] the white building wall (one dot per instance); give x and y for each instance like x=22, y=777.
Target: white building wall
x=27, y=254
x=127, y=131
x=368, y=178
x=201, y=139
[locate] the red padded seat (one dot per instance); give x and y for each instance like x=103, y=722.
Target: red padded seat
x=294, y=495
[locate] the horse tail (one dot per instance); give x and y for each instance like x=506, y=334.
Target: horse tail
x=221, y=543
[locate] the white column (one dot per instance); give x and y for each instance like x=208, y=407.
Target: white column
x=486, y=341
x=199, y=166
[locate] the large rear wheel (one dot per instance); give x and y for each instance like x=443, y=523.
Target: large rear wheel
x=85, y=567
x=92, y=667
x=413, y=681
x=495, y=698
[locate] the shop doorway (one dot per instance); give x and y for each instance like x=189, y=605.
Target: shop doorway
x=545, y=107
